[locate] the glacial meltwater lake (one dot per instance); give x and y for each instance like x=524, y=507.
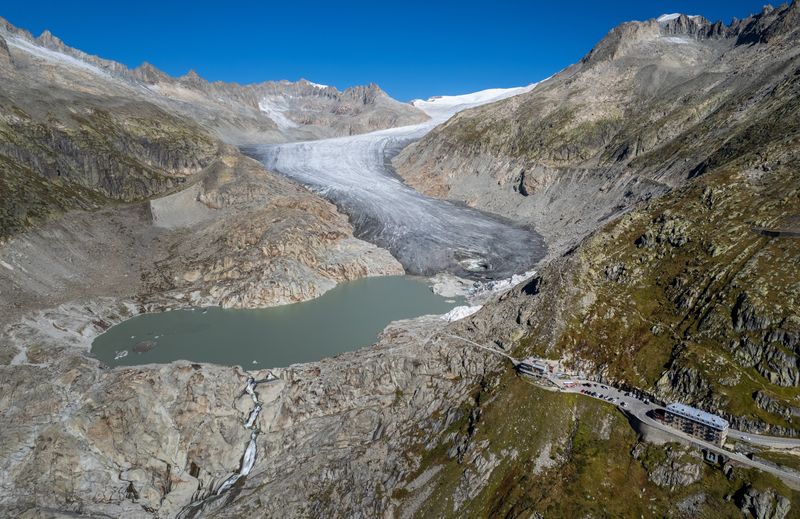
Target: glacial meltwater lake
x=349, y=316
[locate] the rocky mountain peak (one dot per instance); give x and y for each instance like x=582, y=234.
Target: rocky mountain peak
x=686, y=25
x=627, y=37
x=147, y=73
x=619, y=39
x=365, y=94
x=192, y=78
x=7, y=28
x=50, y=41
x=770, y=25
x=305, y=82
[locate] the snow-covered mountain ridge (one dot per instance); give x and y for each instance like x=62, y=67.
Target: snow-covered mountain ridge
x=272, y=110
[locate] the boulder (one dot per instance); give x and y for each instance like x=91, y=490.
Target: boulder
x=763, y=504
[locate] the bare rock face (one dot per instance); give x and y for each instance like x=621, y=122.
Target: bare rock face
x=156, y=440
x=771, y=405
x=5, y=55
x=147, y=73
x=257, y=240
x=126, y=442
x=681, y=468
x=763, y=504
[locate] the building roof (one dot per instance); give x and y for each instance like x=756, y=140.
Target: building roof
x=698, y=415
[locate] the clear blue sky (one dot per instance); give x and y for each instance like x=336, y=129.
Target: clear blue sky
x=411, y=49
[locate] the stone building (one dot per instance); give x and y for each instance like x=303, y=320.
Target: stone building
x=700, y=424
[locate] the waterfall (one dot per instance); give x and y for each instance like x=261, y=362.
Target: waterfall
x=248, y=458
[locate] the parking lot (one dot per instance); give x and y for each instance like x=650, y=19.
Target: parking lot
x=622, y=399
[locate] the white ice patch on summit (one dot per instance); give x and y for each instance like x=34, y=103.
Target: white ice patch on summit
x=664, y=18
x=443, y=107
x=274, y=108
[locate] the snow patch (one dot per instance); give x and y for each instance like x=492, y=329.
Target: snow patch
x=677, y=40
x=439, y=107
x=274, y=108
x=664, y=18
x=503, y=285
x=53, y=56
x=460, y=312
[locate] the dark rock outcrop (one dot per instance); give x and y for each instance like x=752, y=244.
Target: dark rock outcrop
x=771, y=405
x=5, y=55
x=147, y=73
x=680, y=467
x=763, y=504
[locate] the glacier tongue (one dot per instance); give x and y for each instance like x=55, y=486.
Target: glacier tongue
x=426, y=235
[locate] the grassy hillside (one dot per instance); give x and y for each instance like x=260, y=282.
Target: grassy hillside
x=520, y=451
x=55, y=157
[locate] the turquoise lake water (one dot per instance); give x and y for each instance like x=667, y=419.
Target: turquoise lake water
x=345, y=318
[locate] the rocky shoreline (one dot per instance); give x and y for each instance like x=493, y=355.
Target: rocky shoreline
x=182, y=415
x=162, y=435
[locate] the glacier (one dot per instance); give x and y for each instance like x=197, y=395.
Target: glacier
x=426, y=235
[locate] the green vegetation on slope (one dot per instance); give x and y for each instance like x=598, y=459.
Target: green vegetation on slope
x=526, y=450
x=28, y=199
x=687, y=297
x=89, y=152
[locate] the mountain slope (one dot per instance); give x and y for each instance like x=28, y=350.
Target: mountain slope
x=265, y=112
x=680, y=296
x=693, y=295
x=651, y=105
x=560, y=455
x=80, y=132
